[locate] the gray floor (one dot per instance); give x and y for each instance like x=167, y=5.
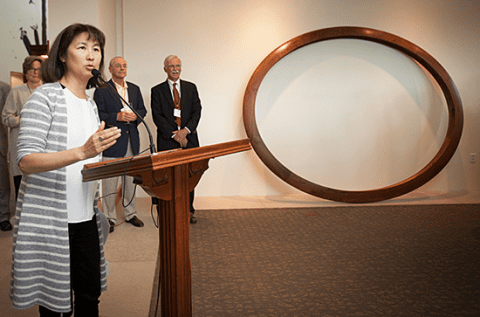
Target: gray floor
x=248, y=262
x=338, y=261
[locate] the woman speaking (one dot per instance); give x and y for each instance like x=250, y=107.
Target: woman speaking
x=58, y=235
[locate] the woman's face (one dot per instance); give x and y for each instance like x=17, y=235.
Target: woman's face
x=34, y=74
x=83, y=55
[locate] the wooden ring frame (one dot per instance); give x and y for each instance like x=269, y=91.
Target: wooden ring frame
x=440, y=160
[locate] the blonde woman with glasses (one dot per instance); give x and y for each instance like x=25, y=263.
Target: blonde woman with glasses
x=14, y=105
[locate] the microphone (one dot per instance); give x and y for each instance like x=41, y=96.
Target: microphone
x=96, y=74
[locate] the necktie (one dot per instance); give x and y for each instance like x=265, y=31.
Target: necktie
x=176, y=102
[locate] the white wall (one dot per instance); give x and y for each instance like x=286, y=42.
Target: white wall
x=356, y=115
x=365, y=128
x=222, y=42
x=99, y=13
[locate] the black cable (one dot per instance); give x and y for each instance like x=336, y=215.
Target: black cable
x=156, y=224
x=154, y=199
x=124, y=179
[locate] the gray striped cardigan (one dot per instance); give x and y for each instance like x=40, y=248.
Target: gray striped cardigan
x=41, y=256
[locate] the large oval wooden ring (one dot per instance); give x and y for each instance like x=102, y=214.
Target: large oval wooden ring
x=440, y=160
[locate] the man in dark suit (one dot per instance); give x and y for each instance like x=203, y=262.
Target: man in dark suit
x=176, y=111
x=115, y=112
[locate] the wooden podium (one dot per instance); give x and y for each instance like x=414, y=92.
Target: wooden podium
x=169, y=176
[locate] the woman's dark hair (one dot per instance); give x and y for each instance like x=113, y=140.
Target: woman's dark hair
x=53, y=68
x=28, y=62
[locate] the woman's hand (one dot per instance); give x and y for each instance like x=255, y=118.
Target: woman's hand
x=100, y=141
x=43, y=162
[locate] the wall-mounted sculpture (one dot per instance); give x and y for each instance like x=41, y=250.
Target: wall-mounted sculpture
x=439, y=161
x=38, y=48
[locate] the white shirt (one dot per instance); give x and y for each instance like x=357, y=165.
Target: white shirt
x=170, y=84
x=123, y=91
x=82, y=123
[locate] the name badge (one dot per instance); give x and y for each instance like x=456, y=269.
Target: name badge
x=177, y=112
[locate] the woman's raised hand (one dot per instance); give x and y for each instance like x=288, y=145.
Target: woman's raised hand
x=100, y=140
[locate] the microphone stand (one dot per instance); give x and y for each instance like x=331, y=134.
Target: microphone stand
x=96, y=73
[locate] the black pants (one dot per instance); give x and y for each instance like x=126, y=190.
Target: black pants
x=84, y=270
x=192, y=196
x=17, y=180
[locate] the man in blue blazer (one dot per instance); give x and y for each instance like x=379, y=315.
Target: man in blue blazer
x=114, y=112
x=176, y=111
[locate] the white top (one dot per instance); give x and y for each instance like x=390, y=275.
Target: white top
x=123, y=91
x=170, y=84
x=81, y=125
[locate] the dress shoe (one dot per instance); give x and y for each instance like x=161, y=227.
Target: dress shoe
x=112, y=226
x=136, y=222
x=193, y=219
x=5, y=225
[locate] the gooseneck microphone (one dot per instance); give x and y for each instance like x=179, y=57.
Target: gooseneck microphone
x=96, y=74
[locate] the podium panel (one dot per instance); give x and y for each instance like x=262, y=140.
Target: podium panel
x=169, y=176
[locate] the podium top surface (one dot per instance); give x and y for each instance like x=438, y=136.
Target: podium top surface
x=148, y=162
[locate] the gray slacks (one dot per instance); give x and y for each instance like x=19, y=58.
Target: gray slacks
x=109, y=190
x=4, y=190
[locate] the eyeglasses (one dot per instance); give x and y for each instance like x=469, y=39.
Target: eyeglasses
x=34, y=69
